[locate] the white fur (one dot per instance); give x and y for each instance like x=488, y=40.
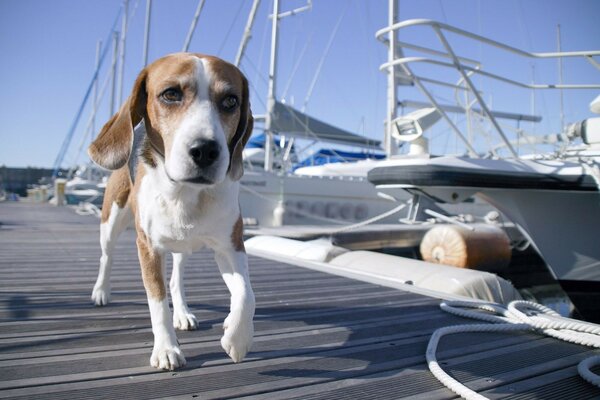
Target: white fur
x=118, y=220
x=171, y=217
x=238, y=326
x=183, y=319
x=166, y=353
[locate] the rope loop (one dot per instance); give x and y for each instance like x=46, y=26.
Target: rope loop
x=518, y=315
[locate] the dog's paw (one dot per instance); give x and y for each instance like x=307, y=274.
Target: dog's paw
x=238, y=337
x=168, y=358
x=184, y=321
x=101, y=296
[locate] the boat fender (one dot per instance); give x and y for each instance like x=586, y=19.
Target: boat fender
x=485, y=248
x=278, y=213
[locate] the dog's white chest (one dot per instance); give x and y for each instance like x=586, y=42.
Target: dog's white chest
x=174, y=220
x=185, y=222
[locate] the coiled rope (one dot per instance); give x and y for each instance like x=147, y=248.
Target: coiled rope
x=517, y=316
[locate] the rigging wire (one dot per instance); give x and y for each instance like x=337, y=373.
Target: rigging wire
x=296, y=65
x=67, y=141
x=365, y=22
x=188, y=38
x=88, y=131
x=122, y=54
x=263, y=45
x=233, y=23
x=322, y=60
x=89, y=126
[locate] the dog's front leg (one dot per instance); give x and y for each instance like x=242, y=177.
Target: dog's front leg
x=238, y=326
x=183, y=319
x=166, y=353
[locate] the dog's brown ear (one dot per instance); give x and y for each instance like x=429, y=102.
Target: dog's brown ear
x=242, y=134
x=113, y=146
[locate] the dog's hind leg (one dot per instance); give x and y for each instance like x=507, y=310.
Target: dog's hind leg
x=118, y=220
x=183, y=319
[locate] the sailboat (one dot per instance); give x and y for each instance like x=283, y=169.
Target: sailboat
x=86, y=185
x=278, y=195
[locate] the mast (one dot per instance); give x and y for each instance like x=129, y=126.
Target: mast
x=188, y=39
x=122, y=54
x=247, y=33
x=147, y=32
x=392, y=99
x=271, y=100
x=114, y=72
x=95, y=103
x=271, y=89
x=560, y=80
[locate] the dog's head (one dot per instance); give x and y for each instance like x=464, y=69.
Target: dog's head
x=197, y=118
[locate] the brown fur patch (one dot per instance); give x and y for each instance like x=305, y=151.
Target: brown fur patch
x=147, y=155
x=227, y=81
x=174, y=71
x=112, y=148
x=237, y=235
x=238, y=125
x=117, y=191
x=152, y=272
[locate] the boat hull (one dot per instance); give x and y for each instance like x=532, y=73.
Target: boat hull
x=555, y=204
x=311, y=200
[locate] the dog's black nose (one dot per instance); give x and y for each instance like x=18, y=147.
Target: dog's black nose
x=204, y=152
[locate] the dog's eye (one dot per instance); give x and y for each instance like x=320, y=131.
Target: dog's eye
x=229, y=103
x=172, y=95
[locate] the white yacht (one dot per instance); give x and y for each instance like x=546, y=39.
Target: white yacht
x=553, y=197
x=86, y=185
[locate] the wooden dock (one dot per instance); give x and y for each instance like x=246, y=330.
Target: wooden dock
x=318, y=336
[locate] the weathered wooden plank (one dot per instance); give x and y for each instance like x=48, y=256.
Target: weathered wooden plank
x=558, y=385
x=317, y=336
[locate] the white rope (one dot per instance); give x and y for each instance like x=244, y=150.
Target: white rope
x=517, y=316
x=584, y=368
x=370, y=220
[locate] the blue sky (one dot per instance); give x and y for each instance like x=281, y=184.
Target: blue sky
x=48, y=50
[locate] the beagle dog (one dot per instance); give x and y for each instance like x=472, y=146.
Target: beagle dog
x=176, y=175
